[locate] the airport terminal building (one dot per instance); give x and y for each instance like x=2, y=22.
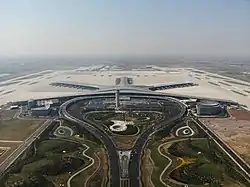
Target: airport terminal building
x=206, y=108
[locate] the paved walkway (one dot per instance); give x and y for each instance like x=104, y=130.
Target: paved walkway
x=83, y=169
x=170, y=160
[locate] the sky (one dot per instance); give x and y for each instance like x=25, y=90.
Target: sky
x=125, y=27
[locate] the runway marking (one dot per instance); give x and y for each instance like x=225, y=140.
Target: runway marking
x=83, y=169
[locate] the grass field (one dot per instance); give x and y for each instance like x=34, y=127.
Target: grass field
x=206, y=168
x=196, y=162
x=210, y=165
x=140, y=119
x=98, y=154
x=52, y=159
x=17, y=129
x=50, y=162
x=159, y=164
x=80, y=179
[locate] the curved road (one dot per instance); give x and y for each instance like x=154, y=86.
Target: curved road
x=134, y=170
x=113, y=157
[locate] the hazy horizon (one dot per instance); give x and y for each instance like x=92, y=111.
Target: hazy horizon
x=215, y=28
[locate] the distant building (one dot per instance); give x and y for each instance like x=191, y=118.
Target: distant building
x=130, y=80
x=117, y=81
x=31, y=104
x=41, y=111
x=208, y=108
x=124, y=98
x=44, y=102
x=14, y=107
x=95, y=106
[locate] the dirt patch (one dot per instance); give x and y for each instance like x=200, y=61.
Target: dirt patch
x=97, y=174
x=240, y=114
x=83, y=178
x=104, y=166
x=18, y=129
x=235, y=131
x=147, y=168
x=125, y=142
x=94, y=178
x=100, y=177
x=7, y=114
x=59, y=179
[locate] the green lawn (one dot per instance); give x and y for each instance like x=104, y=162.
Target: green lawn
x=139, y=118
x=160, y=163
x=211, y=166
x=50, y=161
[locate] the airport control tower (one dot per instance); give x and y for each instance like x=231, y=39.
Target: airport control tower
x=117, y=99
